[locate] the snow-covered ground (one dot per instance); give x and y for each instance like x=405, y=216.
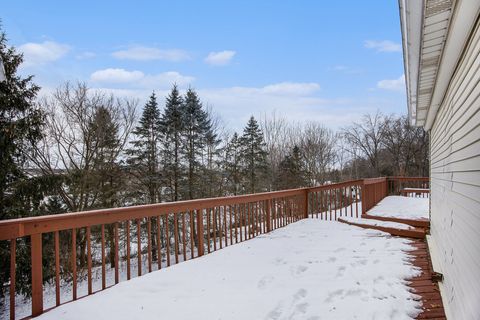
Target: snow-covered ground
x=402, y=207
x=311, y=269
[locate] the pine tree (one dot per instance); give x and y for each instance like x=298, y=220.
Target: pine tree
x=212, y=164
x=197, y=129
x=291, y=171
x=173, y=125
x=253, y=155
x=232, y=164
x=20, y=128
x=144, y=155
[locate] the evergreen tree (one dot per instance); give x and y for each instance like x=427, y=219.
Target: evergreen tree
x=173, y=125
x=232, y=164
x=197, y=129
x=21, y=191
x=254, y=156
x=108, y=170
x=144, y=155
x=108, y=178
x=20, y=127
x=291, y=171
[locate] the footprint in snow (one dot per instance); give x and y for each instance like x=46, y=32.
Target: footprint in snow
x=355, y=292
x=265, y=281
x=298, y=306
x=331, y=259
x=340, y=272
x=302, y=293
x=333, y=294
x=301, y=269
x=275, y=314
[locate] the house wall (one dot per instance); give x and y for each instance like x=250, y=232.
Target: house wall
x=455, y=186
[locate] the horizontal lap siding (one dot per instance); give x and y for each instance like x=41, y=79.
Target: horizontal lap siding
x=455, y=186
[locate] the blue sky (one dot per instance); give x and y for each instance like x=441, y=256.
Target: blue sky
x=329, y=61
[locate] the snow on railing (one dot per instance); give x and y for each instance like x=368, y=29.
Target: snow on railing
x=86, y=252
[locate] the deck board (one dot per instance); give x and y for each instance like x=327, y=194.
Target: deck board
x=423, y=286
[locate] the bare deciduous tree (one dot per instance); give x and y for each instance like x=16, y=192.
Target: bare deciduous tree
x=74, y=146
x=368, y=137
x=318, y=149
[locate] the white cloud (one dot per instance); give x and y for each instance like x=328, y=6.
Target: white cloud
x=139, y=79
x=86, y=55
x=340, y=68
x=383, y=46
x=237, y=104
x=166, y=79
x=147, y=54
x=42, y=53
x=346, y=69
x=292, y=88
x=112, y=75
x=296, y=101
x=394, y=84
x=220, y=58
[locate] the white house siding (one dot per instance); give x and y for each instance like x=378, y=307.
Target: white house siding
x=455, y=186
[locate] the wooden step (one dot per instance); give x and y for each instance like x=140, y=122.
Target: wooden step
x=416, y=233
x=410, y=222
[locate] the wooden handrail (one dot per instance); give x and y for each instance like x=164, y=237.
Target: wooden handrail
x=15, y=228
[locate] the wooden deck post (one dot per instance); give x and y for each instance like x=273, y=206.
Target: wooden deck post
x=37, y=275
x=200, y=232
x=305, y=204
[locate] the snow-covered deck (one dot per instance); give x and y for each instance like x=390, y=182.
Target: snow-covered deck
x=402, y=208
x=310, y=269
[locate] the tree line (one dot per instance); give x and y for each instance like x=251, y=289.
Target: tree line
x=80, y=149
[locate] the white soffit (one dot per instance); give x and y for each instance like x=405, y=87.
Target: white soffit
x=434, y=33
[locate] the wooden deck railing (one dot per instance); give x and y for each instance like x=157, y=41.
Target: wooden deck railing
x=397, y=184
x=169, y=233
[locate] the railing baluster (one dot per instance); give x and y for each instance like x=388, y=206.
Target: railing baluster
x=192, y=235
x=200, y=232
x=184, y=241
x=149, y=244
x=139, y=247
x=208, y=229
x=104, y=280
x=248, y=221
x=74, y=263
x=89, y=260
x=214, y=226
x=127, y=231
x=116, y=248
x=176, y=237
x=225, y=224
x=56, y=236
x=13, y=256
x=235, y=212
x=245, y=221
x=159, y=244
x=167, y=239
